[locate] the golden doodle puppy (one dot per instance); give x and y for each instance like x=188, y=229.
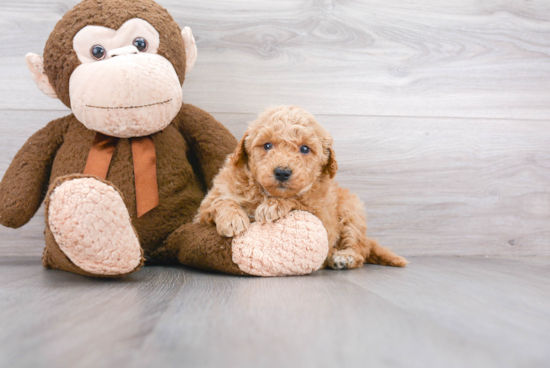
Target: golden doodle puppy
x=285, y=162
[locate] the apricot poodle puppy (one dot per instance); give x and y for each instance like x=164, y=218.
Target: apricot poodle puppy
x=285, y=162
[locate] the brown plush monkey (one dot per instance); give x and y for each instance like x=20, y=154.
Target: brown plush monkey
x=124, y=174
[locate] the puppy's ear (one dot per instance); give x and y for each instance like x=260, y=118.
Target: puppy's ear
x=332, y=166
x=239, y=157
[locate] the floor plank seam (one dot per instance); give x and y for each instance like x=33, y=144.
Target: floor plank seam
x=343, y=115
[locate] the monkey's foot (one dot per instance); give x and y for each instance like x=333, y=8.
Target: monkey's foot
x=91, y=225
x=296, y=244
x=293, y=245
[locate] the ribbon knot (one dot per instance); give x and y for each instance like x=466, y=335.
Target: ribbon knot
x=145, y=167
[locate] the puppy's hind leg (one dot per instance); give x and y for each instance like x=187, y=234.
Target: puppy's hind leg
x=354, y=257
x=384, y=256
x=354, y=248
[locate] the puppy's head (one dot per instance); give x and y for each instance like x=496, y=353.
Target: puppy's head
x=286, y=151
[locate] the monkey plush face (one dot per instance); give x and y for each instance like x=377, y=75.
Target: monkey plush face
x=123, y=88
x=117, y=65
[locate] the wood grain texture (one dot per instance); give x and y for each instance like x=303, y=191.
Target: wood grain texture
x=444, y=58
x=431, y=186
x=436, y=312
x=96, y=317
x=440, y=185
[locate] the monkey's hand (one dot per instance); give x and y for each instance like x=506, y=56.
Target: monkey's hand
x=25, y=183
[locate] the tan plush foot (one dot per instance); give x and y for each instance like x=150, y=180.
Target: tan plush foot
x=345, y=259
x=293, y=245
x=91, y=225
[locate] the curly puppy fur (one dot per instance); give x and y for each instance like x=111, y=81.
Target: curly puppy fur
x=247, y=189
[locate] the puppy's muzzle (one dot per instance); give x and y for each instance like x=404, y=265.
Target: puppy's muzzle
x=282, y=174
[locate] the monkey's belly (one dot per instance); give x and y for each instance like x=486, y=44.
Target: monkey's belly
x=176, y=208
x=180, y=191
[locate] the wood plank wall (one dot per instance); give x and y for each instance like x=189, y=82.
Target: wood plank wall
x=439, y=109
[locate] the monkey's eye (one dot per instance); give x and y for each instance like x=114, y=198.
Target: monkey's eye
x=268, y=146
x=98, y=52
x=141, y=44
x=305, y=150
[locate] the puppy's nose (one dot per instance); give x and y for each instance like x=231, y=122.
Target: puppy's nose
x=282, y=174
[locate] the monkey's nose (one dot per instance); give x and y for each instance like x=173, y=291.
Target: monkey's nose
x=123, y=51
x=282, y=174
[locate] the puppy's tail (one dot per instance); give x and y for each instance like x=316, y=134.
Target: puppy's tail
x=384, y=256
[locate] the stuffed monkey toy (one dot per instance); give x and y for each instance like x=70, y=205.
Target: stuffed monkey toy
x=123, y=176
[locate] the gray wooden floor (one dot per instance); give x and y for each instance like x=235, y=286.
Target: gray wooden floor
x=437, y=312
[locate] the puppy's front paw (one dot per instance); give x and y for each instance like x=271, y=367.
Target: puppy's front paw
x=271, y=210
x=232, y=223
x=345, y=259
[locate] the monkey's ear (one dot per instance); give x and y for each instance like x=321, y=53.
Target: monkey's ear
x=190, y=49
x=35, y=63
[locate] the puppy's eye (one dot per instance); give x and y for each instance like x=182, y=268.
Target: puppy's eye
x=268, y=146
x=305, y=150
x=98, y=52
x=141, y=44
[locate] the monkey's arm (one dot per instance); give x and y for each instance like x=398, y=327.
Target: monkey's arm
x=25, y=183
x=208, y=139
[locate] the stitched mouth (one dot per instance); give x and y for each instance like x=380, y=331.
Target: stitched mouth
x=128, y=107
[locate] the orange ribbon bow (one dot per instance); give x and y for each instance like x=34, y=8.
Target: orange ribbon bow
x=145, y=167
